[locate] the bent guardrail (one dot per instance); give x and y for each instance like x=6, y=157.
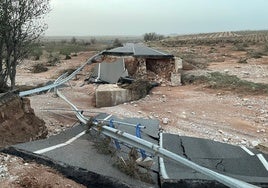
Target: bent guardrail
x=158, y=150
x=62, y=81
x=138, y=142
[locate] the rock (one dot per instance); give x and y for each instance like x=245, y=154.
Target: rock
x=245, y=99
x=220, y=131
x=165, y=121
x=245, y=73
x=254, y=143
x=140, y=112
x=225, y=139
x=243, y=142
x=151, y=117
x=263, y=130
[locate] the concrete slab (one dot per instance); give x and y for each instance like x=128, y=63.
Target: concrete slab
x=234, y=161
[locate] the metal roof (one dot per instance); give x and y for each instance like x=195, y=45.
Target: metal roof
x=138, y=50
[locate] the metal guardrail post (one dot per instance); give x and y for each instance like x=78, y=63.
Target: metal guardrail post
x=138, y=134
x=115, y=140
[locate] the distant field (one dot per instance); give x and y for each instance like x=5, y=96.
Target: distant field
x=211, y=38
x=101, y=39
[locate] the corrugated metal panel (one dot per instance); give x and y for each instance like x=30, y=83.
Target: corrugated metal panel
x=110, y=72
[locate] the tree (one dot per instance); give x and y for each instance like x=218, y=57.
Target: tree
x=21, y=25
x=93, y=40
x=117, y=43
x=73, y=40
x=152, y=37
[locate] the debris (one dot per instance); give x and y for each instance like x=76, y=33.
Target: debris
x=147, y=162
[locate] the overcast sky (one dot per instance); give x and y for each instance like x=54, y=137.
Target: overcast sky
x=136, y=17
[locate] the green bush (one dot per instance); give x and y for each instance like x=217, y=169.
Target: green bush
x=255, y=54
x=35, y=52
x=53, y=60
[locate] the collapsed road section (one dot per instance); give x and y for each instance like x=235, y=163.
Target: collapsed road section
x=67, y=150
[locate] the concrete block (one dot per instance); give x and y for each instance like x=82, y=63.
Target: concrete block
x=111, y=95
x=175, y=79
x=178, y=65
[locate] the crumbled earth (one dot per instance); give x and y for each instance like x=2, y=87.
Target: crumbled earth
x=190, y=110
x=18, y=122
x=17, y=173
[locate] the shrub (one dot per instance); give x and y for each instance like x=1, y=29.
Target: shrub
x=152, y=37
x=39, y=68
x=217, y=80
x=242, y=60
x=255, y=54
x=240, y=46
x=53, y=60
x=67, y=57
x=117, y=43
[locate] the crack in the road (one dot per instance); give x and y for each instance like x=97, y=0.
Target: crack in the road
x=183, y=150
x=220, y=165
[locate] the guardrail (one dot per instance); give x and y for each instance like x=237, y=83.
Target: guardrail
x=60, y=82
x=158, y=150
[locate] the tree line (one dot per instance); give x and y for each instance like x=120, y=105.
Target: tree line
x=21, y=24
x=152, y=37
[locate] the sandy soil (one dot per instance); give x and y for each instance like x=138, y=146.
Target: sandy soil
x=191, y=110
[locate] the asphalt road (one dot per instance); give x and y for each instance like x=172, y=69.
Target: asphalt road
x=234, y=161
x=74, y=153
x=76, y=149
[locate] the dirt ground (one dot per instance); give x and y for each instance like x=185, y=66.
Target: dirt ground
x=190, y=110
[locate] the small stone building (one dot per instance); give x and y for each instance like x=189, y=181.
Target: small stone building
x=144, y=62
x=140, y=62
